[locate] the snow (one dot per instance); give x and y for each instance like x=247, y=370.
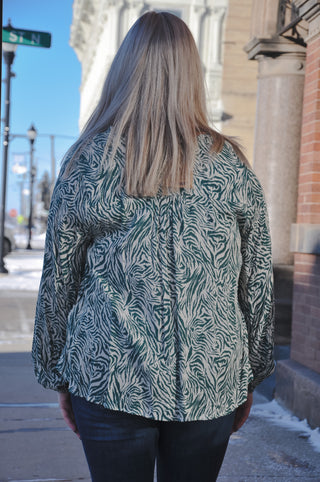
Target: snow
x=276, y=414
x=37, y=241
x=24, y=266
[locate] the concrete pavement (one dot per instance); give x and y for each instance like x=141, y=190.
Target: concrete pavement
x=36, y=446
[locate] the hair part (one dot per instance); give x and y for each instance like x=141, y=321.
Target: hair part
x=154, y=98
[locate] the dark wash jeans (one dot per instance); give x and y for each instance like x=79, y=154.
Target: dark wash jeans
x=121, y=447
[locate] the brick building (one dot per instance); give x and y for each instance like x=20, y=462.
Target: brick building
x=285, y=39
x=299, y=378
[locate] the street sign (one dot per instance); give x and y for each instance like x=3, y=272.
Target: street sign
x=26, y=37
x=13, y=213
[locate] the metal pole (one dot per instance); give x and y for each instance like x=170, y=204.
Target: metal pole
x=8, y=58
x=32, y=174
x=53, y=163
x=21, y=196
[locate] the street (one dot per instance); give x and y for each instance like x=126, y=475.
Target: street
x=37, y=446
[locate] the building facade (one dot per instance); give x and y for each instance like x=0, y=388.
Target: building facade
x=285, y=41
x=298, y=383
x=261, y=60
x=220, y=29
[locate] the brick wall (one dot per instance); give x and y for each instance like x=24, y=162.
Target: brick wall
x=305, y=347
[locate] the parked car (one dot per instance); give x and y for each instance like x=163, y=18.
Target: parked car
x=9, y=242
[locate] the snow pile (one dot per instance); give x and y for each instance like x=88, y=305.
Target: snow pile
x=37, y=241
x=281, y=417
x=24, y=268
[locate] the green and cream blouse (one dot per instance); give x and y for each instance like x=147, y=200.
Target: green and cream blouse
x=157, y=306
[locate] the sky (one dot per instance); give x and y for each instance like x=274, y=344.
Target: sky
x=45, y=91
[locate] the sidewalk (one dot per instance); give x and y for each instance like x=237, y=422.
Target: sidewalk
x=36, y=445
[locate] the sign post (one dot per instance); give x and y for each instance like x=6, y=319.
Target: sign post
x=11, y=38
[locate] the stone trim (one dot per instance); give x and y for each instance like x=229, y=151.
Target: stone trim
x=285, y=64
x=305, y=238
x=309, y=10
x=314, y=29
x=298, y=388
x=272, y=47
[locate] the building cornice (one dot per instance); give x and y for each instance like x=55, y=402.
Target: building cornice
x=272, y=47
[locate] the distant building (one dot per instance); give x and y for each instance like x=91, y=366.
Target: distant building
x=220, y=29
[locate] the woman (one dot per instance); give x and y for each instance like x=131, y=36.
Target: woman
x=155, y=313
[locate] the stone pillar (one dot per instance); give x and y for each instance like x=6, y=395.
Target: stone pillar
x=277, y=143
x=194, y=21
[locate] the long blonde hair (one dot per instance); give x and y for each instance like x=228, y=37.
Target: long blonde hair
x=154, y=98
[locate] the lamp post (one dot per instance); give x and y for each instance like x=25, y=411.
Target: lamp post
x=8, y=56
x=32, y=134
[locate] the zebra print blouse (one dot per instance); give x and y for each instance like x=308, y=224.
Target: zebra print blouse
x=158, y=306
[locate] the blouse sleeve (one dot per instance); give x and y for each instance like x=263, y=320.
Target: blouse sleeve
x=256, y=297
x=66, y=243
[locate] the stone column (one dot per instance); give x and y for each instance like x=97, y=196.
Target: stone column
x=277, y=142
x=194, y=22
x=130, y=12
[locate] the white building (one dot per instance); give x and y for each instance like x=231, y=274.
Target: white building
x=99, y=26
